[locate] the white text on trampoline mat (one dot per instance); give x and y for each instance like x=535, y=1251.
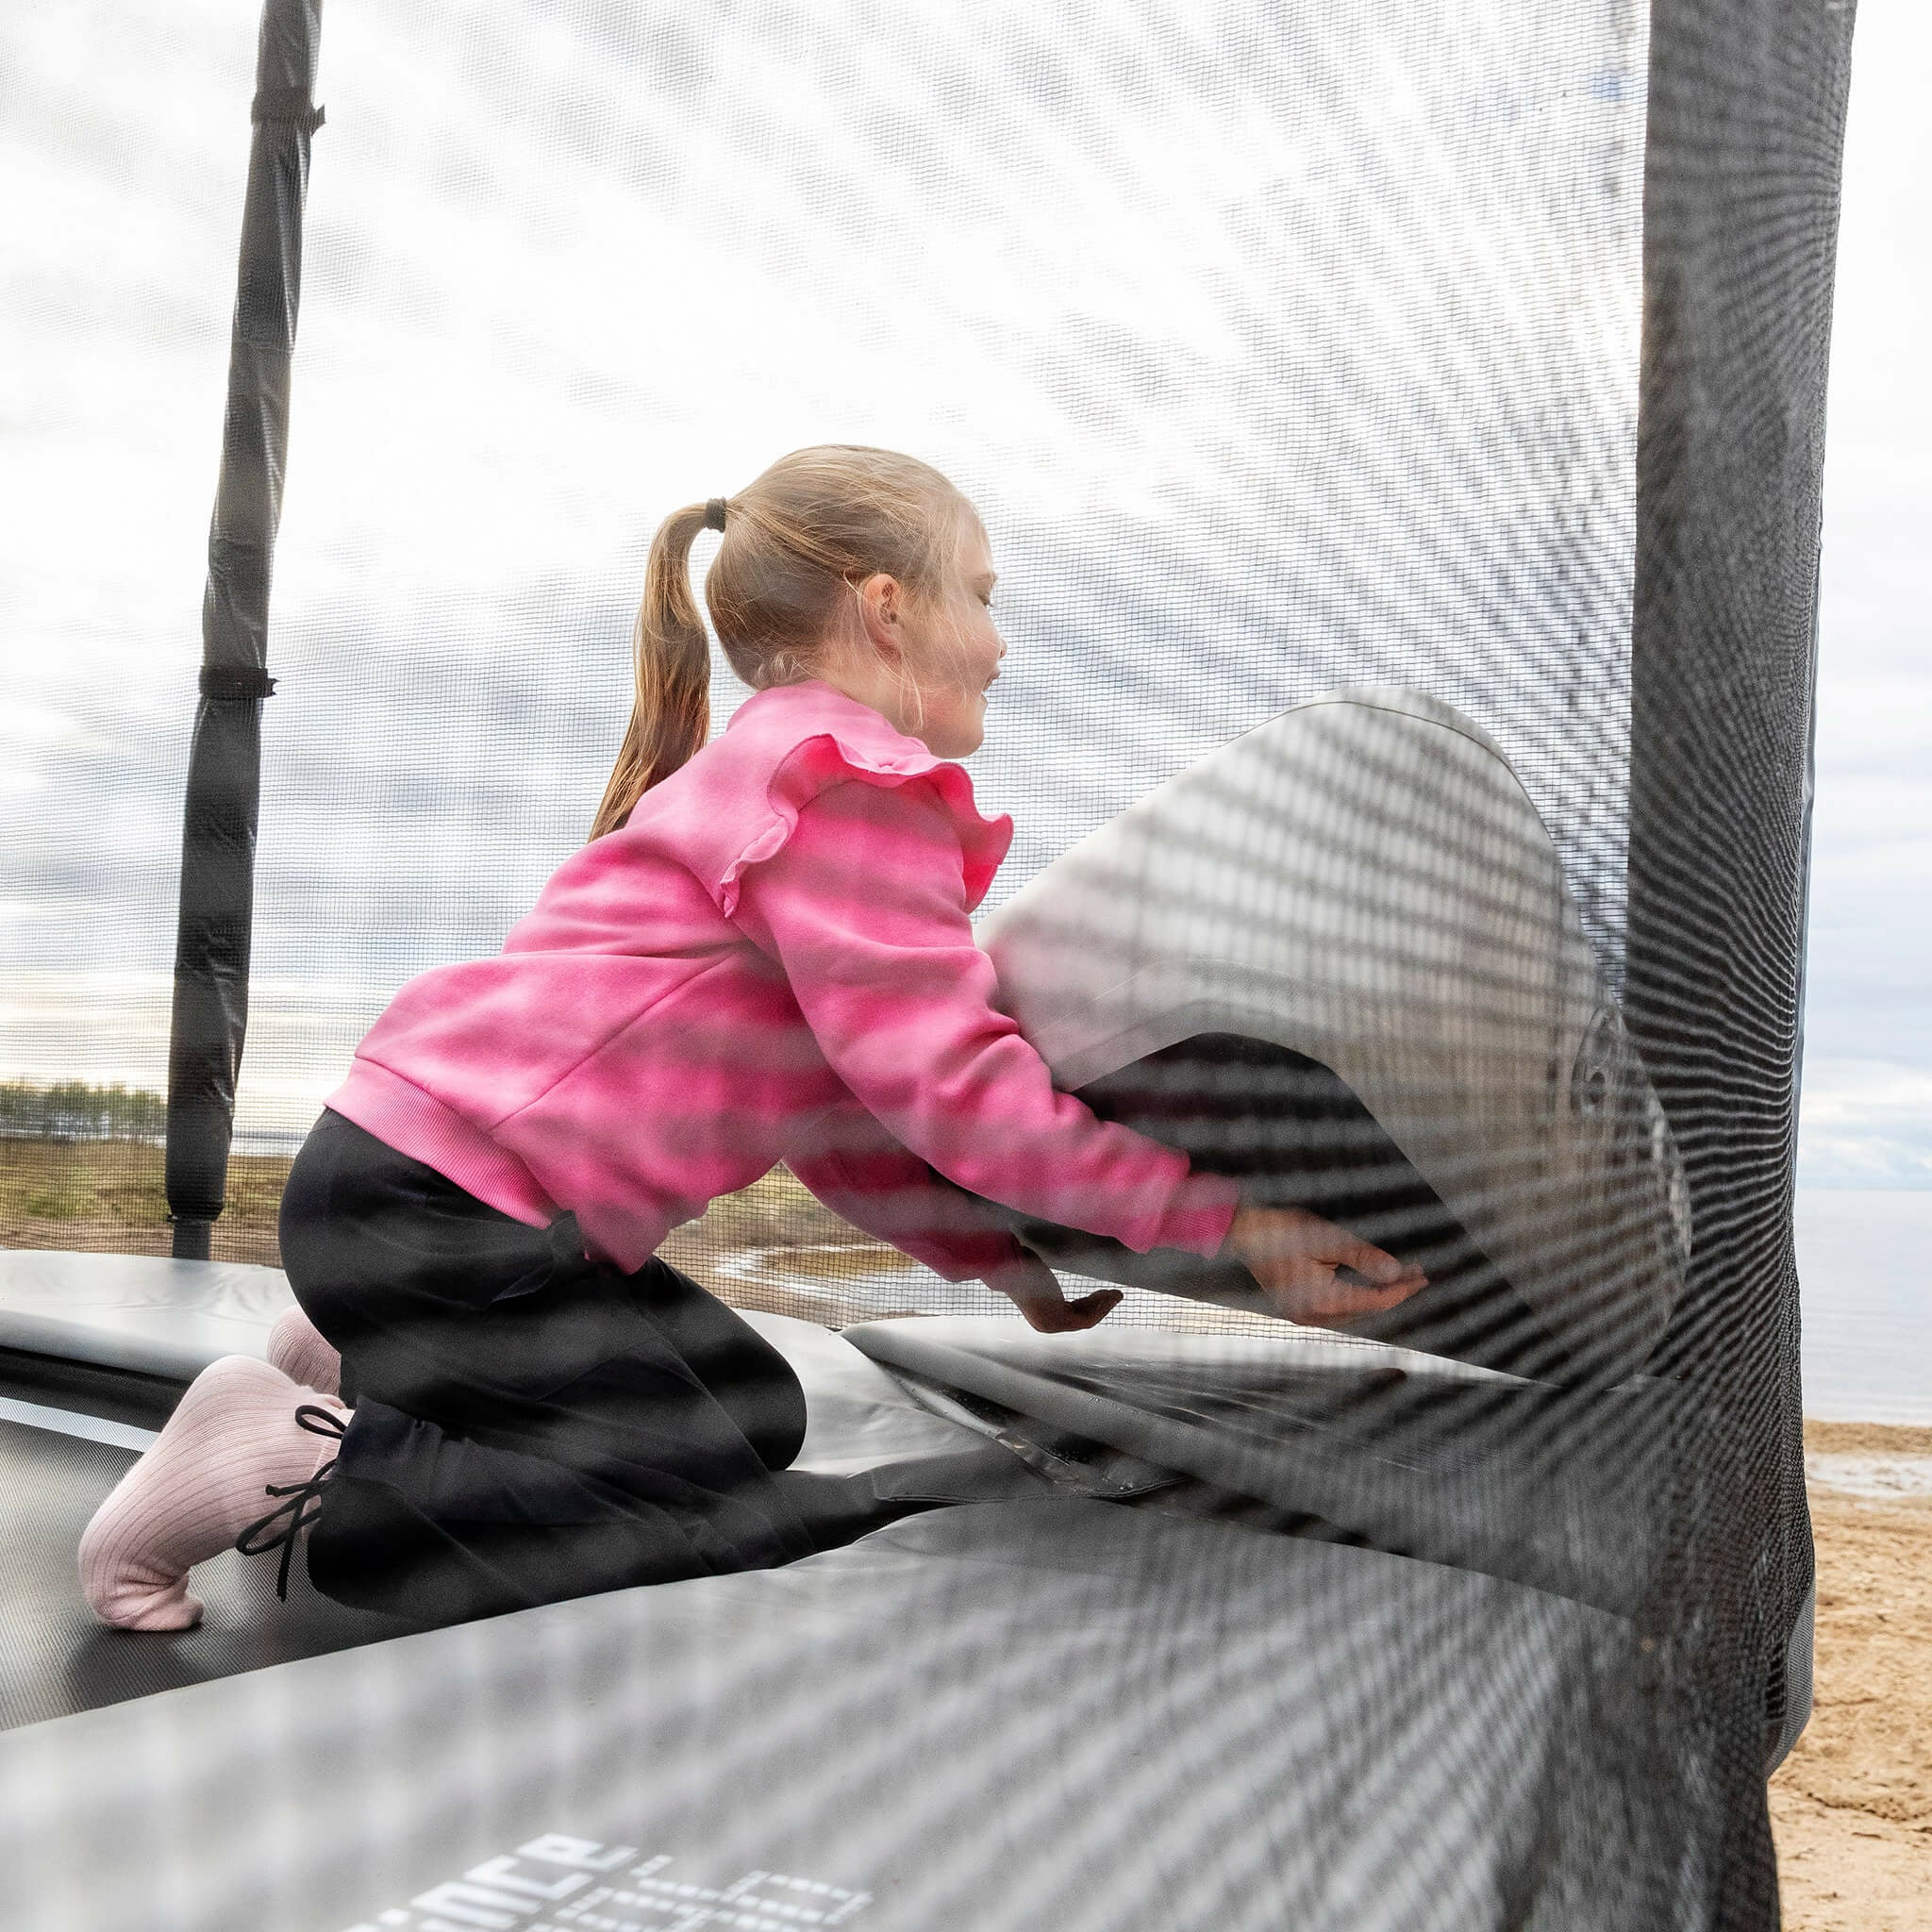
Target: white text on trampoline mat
x=561, y=1884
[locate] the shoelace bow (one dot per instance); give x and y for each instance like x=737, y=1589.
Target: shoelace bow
x=301, y=1503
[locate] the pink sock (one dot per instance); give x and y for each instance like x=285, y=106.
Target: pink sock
x=297, y=1347
x=206, y=1478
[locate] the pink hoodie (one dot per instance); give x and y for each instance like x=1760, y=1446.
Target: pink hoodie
x=771, y=961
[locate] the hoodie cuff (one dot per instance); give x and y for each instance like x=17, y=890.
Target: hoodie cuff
x=1200, y=1214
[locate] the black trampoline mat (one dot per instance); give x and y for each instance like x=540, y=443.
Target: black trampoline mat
x=1049, y=1716
x=57, y=1659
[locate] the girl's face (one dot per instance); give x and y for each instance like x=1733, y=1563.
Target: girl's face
x=954, y=655
x=928, y=667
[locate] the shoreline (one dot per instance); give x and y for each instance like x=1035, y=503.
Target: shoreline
x=1879, y=1461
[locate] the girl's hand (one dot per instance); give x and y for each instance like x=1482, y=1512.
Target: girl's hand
x=1034, y=1288
x=1298, y=1258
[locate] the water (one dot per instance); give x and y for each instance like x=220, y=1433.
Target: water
x=1865, y=1287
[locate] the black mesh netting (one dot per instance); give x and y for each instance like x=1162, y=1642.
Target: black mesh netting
x=1466, y=361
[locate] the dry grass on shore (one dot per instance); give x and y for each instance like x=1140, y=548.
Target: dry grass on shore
x=93, y=1196
x=107, y=1196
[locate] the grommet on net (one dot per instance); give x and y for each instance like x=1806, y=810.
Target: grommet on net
x=714, y=513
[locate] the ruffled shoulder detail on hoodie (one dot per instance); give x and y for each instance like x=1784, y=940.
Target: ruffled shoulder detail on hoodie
x=736, y=803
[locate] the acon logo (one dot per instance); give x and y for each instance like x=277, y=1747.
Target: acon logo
x=556, y=1883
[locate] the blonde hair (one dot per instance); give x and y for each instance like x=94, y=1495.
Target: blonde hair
x=797, y=541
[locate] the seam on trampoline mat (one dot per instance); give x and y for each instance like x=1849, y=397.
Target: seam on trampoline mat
x=61, y=1422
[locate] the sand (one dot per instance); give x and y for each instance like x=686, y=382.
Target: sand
x=1852, y=1806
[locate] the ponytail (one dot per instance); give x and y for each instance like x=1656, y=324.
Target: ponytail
x=671, y=717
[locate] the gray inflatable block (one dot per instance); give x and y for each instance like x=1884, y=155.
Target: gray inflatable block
x=1362, y=880
x=1041, y=1717
x=1579, y=1494
x=136, y=1312
x=857, y=1415
x=173, y=1317
x=1287, y=1350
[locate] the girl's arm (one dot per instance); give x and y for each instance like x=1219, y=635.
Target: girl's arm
x=865, y=909
x=859, y=1171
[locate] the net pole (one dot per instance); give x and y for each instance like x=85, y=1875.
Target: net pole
x=1746, y=117
x=210, y=1019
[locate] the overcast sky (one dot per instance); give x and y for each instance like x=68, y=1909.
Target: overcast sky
x=1868, y=1065
x=1257, y=402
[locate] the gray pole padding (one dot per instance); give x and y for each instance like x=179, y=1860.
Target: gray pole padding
x=210, y=1006
x=1746, y=117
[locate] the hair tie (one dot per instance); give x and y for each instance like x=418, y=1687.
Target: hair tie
x=714, y=513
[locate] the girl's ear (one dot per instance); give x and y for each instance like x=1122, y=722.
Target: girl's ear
x=881, y=606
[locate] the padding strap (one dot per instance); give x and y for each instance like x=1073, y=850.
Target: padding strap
x=290, y=105
x=232, y=683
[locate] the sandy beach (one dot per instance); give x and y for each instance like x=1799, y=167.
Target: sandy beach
x=1852, y=1806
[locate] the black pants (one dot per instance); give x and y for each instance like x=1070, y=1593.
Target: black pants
x=529, y=1426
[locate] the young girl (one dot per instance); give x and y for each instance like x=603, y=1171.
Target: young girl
x=762, y=955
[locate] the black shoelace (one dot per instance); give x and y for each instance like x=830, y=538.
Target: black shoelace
x=301, y=1502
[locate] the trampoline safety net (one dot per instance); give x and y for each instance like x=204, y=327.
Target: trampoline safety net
x=1398, y=431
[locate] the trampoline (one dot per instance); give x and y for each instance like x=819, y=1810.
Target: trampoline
x=946, y=1642
x=1403, y=433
